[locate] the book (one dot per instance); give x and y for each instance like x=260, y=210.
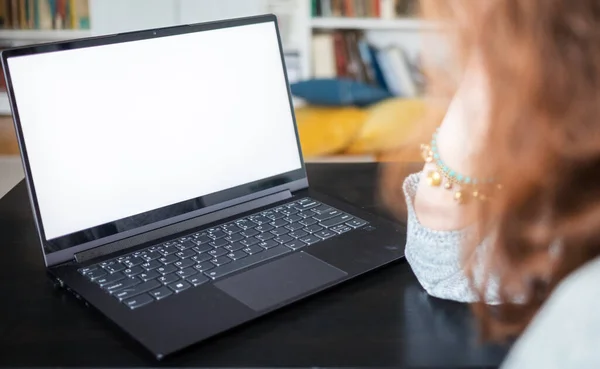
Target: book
x=323, y=49
x=44, y=14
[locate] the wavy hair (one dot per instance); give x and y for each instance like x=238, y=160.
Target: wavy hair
x=542, y=62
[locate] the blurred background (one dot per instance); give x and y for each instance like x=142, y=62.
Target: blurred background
x=354, y=66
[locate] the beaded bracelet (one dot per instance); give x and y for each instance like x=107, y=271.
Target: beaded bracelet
x=465, y=187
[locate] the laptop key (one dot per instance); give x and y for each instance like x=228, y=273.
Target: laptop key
x=179, y=286
x=202, y=257
x=169, y=278
x=216, y=233
x=259, y=219
x=265, y=236
x=298, y=234
x=218, y=252
x=295, y=245
x=166, y=260
x=168, y=250
x=325, y=234
x=244, y=224
x=284, y=238
x=132, y=261
x=264, y=228
x=275, y=215
x=235, y=246
x=130, y=272
x=231, y=228
x=307, y=205
x=146, y=276
x=234, y=237
x=250, y=233
x=250, y=241
x=99, y=273
x=356, y=222
x=136, y=290
x=237, y=255
x=186, y=254
x=203, y=248
x=313, y=228
x=255, y=249
x=310, y=239
x=185, y=263
x=188, y=244
x=202, y=239
x=197, y=280
x=164, y=270
x=305, y=214
x=152, y=255
x=113, y=266
x=109, y=279
x=292, y=218
x=187, y=272
x=294, y=226
x=308, y=221
x=321, y=209
x=279, y=223
x=226, y=269
x=161, y=293
x=138, y=301
x=221, y=260
x=203, y=267
x=122, y=284
x=335, y=221
x=268, y=244
x=288, y=211
x=219, y=243
x=88, y=270
x=152, y=265
x=280, y=231
x=327, y=215
x=342, y=228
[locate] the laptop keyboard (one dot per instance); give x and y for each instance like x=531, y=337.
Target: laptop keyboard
x=157, y=272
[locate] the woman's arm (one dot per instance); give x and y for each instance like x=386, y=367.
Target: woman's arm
x=435, y=256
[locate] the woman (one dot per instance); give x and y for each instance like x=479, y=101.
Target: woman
x=506, y=212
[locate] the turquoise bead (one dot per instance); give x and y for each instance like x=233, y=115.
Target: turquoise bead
x=468, y=180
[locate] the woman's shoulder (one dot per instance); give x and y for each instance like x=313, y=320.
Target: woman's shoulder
x=566, y=331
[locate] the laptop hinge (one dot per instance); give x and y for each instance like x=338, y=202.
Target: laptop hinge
x=182, y=226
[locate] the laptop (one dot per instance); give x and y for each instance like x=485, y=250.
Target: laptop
x=167, y=181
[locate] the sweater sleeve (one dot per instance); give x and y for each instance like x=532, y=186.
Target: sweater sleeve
x=435, y=256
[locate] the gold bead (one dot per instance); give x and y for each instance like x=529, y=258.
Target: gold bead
x=448, y=185
x=459, y=197
x=426, y=153
x=429, y=158
x=475, y=194
x=483, y=197
x=434, y=178
x=499, y=186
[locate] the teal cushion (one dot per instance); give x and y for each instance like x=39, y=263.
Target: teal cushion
x=338, y=92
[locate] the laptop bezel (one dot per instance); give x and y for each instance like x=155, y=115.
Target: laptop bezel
x=290, y=181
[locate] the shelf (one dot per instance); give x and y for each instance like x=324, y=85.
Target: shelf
x=43, y=35
x=402, y=24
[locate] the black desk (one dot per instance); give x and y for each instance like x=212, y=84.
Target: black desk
x=384, y=319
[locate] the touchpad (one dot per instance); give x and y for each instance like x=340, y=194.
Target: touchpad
x=273, y=283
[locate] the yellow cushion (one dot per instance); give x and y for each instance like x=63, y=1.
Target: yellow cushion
x=327, y=130
x=387, y=126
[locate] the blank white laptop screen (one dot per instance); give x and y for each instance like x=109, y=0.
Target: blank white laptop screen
x=117, y=130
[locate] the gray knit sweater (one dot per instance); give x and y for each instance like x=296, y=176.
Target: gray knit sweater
x=564, y=334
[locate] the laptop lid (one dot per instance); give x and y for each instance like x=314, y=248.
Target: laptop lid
x=127, y=133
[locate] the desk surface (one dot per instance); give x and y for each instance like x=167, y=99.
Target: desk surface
x=382, y=319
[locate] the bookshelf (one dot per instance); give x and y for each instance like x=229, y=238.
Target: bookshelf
x=371, y=24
